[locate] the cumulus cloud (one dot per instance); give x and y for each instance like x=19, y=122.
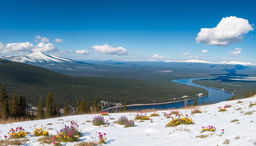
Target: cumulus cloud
x=82, y=52
x=157, y=56
x=22, y=46
x=58, y=40
x=236, y=51
x=107, y=49
x=43, y=47
x=204, y=51
x=228, y=30
x=42, y=39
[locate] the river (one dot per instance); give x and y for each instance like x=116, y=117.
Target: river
x=214, y=95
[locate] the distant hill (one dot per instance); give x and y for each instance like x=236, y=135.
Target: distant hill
x=34, y=82
x=37, y=58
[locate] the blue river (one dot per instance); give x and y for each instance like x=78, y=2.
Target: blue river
x=214, y=95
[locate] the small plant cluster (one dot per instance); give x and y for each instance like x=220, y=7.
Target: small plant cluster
x=154, y=115
x=99, y=120
x=123, y=120
x=252, y=104
x=227, y=106
x=102, y=138
x=19, y=132
x=104, y=113
x=208, y=128
x=176, y=113
x=67, y=134
x=40, y=132
x=179, y=121
x=141, y=117
x=196, y=111
x=222, y=109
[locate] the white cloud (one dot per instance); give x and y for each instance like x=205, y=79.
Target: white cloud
x=157, y=56
x=23, y=46
x=42, y=39
x=43, y=47
x=236, y=51
x=1, y=45
x=107, y=49
x=58, y=40
x=204, y=51
x=185, y=53
x=229, y=30
x=82, y=52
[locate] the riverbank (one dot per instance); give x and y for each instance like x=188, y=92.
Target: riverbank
x=214, y=95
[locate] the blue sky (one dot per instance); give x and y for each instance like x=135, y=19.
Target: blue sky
x=129, y=29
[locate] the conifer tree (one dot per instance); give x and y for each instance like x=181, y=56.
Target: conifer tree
x=66, y=110
x=82, y=107
x=40, y=111
x=49, y=106
x=22, y=106
x=14, y=111
x=4, y=104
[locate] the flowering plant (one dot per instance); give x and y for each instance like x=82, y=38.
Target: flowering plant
x=40, y=132
x=99, y=120
x=208, y=128
x=195, y=111
x=176, y=113
x=102, y=137
x=68, y=133
x=104, y=113
x=141, y=117
x=123, y=120
x=154, y=115
x=178, y=121
x=19, y=132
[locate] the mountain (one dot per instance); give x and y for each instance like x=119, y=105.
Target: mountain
x=38, y=58
x=34, y=82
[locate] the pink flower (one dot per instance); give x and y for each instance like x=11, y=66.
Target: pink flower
x=54, y=142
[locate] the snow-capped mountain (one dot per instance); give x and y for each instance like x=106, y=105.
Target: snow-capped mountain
x=38, y=57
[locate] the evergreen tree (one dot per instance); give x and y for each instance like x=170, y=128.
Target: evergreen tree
x=22, y=106
x=40, y=110
x=4, y=104
x=82, y=107
x=66, y=110
x=49, y=106
x=14, y=109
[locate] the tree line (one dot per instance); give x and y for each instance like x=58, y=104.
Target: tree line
x=16, y=107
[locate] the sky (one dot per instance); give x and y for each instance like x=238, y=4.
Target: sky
x=135, y=30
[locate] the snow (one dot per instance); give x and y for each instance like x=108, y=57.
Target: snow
x=154, y=133
x=38, y=57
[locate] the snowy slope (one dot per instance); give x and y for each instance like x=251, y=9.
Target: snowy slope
x=154, y=133
x=38, y=57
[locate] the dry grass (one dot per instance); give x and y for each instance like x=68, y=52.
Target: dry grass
x=9, y=142
x=235, y=120
x=249, y=113
x=87, y=144
x=239, y=102
x=222, y=110
x=202, y=136
x=45, y=140
x=226, y=141
x=14, y=120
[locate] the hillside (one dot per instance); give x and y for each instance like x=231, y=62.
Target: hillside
x=234, y=127
x=34, y=82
